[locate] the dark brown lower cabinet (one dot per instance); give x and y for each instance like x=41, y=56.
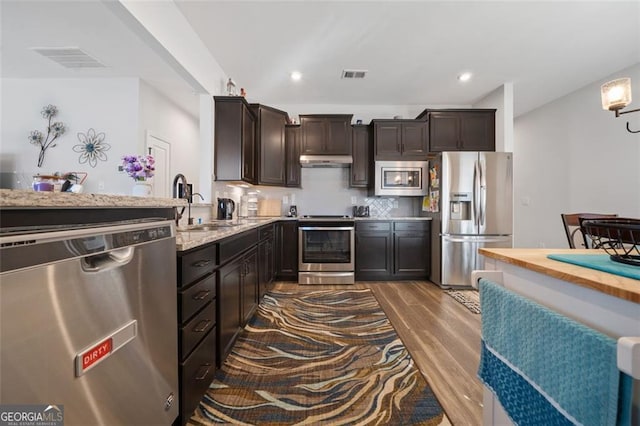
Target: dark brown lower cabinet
x=197, y=317
x=411, y=249
x=286, y=250
x=392, y=250
x=266, y=263
x=374, y=250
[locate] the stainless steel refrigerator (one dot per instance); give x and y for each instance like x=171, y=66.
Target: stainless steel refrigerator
x=471, y=199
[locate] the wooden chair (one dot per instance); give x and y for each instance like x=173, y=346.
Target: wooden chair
x=571, y=223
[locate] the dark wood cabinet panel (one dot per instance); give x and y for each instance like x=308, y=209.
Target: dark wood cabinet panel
x=415, y=139
x=374, y=255
x=477, y=131
x=392, y=250
x=248, y=159
x=249, y=284
x=229, y=311
x=387, y=139
x=461, y=130
x=266, y=262
x=326, y=134
x=269, y=145
x=292, y=143
x=411, y=251
x=286, y=250
x=233, y=138
x=362, y=159
x=400, y=139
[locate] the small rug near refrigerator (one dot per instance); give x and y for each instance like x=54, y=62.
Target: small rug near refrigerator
x=469, y=298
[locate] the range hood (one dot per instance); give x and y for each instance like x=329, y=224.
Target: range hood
x=326, y=160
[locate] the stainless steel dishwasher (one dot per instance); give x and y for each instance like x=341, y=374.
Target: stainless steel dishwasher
x=88, y=322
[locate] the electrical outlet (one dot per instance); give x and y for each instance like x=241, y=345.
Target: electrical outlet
x=285, y=199
x=354, y=200
x=100, y=184
x=293, y=199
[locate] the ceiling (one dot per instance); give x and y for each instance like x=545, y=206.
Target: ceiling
x=413, y=51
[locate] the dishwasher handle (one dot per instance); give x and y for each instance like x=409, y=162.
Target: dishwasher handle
x=109, y=260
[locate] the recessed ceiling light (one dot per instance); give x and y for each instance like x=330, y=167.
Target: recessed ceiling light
x=296, y=76
x=465, y=76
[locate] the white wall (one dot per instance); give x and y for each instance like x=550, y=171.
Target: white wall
x=164, y=119
x=106, y=105
x=122, y=108
x=570, y=156
x=502, y=100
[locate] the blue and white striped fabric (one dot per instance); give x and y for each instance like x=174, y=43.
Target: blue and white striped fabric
x=545, y=368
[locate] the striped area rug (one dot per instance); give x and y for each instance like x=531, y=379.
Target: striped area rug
x=319, y=357
x=469, y=298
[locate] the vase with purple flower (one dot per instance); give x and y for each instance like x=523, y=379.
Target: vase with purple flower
x=141, y=168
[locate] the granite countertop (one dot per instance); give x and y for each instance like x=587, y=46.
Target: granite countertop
x=190, y=237
x=536, y=260
x=10, y=198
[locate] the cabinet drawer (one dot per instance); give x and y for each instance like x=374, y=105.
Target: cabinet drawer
x=232, y=246
x=197, y=328
x=265, y=232
x=373, y=226
x=196, y=296
x=414, y=225
x=196, y=264
x=196, y=374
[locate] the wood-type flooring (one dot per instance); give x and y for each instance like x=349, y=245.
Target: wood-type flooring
x=442, y=336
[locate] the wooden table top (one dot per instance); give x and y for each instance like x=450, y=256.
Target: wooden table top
x=536, y=260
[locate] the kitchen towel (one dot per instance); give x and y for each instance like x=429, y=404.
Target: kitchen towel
x=600, y=262
x=545, y=368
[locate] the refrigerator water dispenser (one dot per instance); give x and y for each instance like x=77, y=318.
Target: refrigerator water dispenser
x=460, y=206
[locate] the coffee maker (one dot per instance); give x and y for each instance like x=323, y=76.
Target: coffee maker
x=226, y=207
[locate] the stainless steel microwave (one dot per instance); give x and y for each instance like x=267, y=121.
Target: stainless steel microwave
x=408, y=178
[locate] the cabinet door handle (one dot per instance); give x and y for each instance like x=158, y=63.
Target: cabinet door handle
x=202, y=263
x=203, y=371
x=201, y=295
x=202, y=326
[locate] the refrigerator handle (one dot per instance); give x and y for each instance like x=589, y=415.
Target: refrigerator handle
x=476, y=194
x=483, y=195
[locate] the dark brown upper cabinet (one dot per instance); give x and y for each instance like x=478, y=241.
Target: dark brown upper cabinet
x=292, y=140
x=362, y=161
x=234, y=139
x=249, y=142
x=326, y=134
x=400, y=139
x=270, y=151
x=461, y=129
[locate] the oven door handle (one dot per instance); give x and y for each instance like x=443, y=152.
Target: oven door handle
x=326, y=228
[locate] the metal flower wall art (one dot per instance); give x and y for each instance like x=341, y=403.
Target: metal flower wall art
x=91, y=147
x=54, y=130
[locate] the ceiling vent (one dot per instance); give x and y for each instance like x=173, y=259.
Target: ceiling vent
x=354, y=73
x=69, y=57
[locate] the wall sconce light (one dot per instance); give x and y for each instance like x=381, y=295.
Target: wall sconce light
x=616, y=95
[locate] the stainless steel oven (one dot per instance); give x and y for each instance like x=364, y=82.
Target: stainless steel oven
x=326, y=253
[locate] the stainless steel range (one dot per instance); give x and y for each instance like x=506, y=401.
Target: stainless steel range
x=326, y=252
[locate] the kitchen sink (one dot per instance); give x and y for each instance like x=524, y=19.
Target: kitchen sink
x=207, y=227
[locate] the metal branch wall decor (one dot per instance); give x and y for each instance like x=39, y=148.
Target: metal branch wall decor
x=91, y=147
x=54, y=130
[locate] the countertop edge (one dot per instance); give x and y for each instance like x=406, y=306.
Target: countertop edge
x=20, y=199
x=536, y=260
